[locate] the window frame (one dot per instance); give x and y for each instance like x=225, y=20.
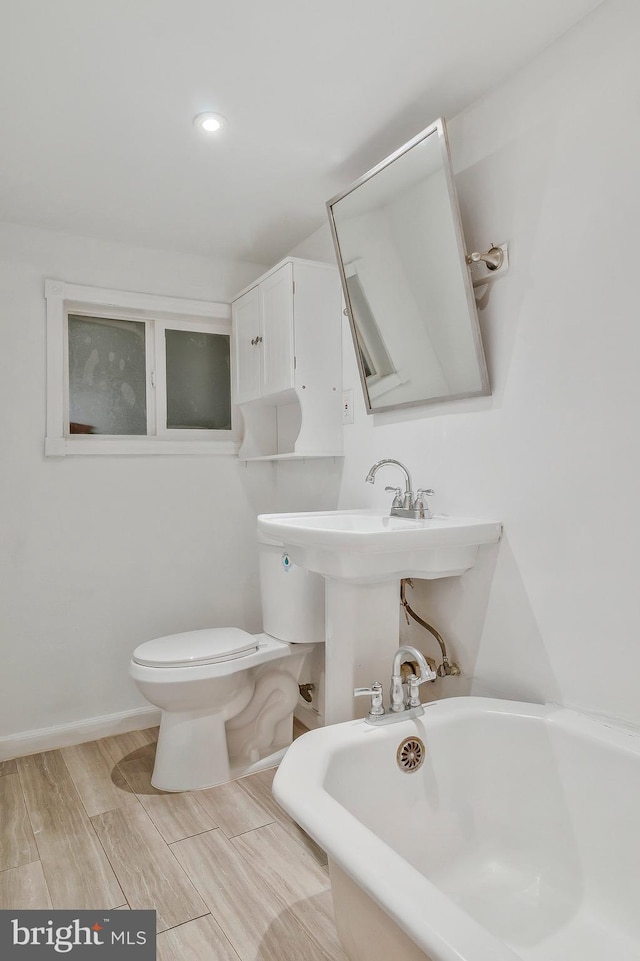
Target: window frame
x=158, y=313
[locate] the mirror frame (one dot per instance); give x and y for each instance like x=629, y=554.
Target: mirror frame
x=438, y=129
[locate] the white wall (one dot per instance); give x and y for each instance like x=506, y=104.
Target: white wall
x=100, y=554
x=549, y=163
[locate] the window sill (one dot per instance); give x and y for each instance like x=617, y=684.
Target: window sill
x=135, y=446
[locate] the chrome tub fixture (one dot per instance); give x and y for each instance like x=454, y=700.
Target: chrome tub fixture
x=402, y=704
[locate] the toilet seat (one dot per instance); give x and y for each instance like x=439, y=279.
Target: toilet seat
x=196, y=648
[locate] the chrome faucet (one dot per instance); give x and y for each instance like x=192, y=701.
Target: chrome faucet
x=406, y=653
x=404, y=504
x=400, y=707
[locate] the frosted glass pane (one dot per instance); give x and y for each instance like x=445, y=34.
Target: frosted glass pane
x=198, y=381
x=107, y=379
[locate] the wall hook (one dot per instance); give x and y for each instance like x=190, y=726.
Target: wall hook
x=485, y=267
x=493, y=258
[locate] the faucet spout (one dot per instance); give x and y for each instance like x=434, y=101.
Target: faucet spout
x=407, y=653
x=371, y=476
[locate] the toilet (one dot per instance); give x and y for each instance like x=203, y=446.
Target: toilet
x=227, y=697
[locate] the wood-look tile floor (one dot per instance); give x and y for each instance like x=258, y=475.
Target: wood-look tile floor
x=231, y=876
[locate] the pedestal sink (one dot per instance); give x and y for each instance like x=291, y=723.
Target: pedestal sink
x=367, y=546
x=362, y=555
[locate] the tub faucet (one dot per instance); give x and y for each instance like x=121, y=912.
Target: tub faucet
x=404, y=504
x=399, y=709
x=406, y=653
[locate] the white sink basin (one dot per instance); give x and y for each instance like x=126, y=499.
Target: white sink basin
x=365, y=546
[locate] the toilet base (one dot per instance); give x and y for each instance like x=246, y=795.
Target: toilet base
x=192, y=752
x=198, y=749
x=209, y=768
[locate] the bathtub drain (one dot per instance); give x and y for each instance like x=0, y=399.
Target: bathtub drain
x=410, y=754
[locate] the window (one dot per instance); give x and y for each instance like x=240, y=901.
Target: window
x=134, y=373
x=107, y=375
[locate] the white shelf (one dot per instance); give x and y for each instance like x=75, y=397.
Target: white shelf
x=294, y=456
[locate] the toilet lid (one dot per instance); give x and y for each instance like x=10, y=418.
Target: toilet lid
x=195, y=648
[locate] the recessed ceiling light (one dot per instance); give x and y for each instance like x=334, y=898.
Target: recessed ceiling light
x=209, y=122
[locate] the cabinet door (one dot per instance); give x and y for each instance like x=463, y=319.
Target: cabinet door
x=276, y=295
x=247, y=346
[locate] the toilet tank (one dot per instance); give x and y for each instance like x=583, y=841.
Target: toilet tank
x=292, y=598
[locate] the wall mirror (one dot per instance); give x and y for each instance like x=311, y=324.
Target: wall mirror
x=401, y=253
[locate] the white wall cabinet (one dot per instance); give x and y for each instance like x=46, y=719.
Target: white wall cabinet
x=247, y=357
x=263, y=335
x=287, y=337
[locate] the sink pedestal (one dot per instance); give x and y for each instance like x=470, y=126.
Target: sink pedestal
x=362, y=635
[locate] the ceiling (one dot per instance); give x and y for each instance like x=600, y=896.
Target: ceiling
x=97, y=99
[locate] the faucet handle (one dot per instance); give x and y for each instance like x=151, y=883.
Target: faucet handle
x=419, y=503
x=398, y=500
x=414, y=683
x=377, y=707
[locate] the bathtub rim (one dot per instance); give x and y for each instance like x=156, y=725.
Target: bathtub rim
x=400, y=890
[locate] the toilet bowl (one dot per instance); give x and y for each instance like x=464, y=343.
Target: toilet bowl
x=227, y=697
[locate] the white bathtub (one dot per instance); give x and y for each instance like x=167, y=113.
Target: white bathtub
x=518, y=838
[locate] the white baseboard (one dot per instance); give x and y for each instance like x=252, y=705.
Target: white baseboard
x=65, y=735
x=308, y=716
